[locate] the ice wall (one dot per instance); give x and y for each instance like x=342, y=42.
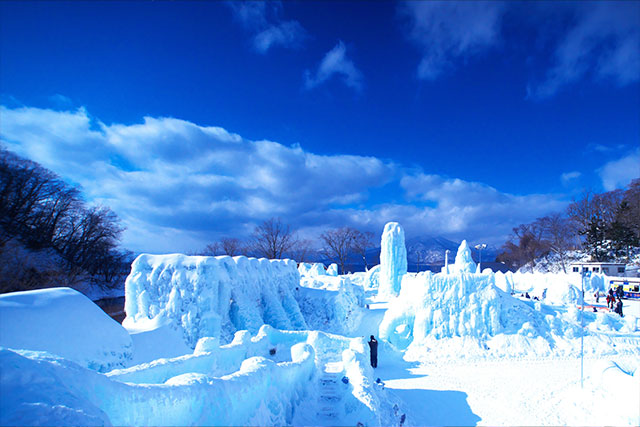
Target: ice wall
x=213, y=296
x=393, y=259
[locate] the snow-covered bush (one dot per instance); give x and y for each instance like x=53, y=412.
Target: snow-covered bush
x=64, y=322
x=213, y=296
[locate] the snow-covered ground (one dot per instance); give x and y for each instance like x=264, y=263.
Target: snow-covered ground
x=235, y=341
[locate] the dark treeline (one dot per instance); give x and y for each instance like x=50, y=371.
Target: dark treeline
x=48, y=235
x=605, y=225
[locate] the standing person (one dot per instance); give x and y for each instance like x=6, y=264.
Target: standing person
x=619, y=307
x=373, y=346
x=612, y=298
x=620, y=292
x=597, y=295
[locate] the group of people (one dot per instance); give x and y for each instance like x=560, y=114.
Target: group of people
x=612, y=304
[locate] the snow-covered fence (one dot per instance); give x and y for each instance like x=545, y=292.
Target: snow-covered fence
x=213, y=296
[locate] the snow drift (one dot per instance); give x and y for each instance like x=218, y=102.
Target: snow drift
x=213, y=296
x=62, y=321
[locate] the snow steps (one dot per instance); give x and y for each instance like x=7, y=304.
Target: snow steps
x=329, y=396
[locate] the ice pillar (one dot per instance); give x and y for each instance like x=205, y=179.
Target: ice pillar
x=393, y=259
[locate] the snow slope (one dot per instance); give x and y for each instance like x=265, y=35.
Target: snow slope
x=62, y=321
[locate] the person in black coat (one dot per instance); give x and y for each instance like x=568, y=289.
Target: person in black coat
x=619, y=307
x=373, y=346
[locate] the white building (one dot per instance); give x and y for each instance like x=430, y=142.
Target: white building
x=608, y=268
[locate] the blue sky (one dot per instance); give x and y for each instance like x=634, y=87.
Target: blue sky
x=197, y=120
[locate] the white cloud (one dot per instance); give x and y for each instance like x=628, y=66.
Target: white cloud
x=263, y=20
x=336, y=62
x=568, y=177
x=462, y=208
x=177, y=185
x=446, y=31
x=288, y=34
x=619, y=173
x=604, y=41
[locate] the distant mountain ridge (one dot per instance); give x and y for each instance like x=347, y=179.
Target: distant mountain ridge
x=423, y=253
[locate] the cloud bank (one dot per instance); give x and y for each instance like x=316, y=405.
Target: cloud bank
x=178, y=186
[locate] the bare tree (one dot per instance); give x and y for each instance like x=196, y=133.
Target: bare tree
x=559, y=234
x=302, y=250
x=231, y=246
x=272, y=239
x=38, y=210
x=362, y=241
x=525, y=245
x=338, y=244
x=212, y=249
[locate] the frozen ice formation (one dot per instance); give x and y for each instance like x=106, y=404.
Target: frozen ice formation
x=393, y=259
x=213, y=296
x=311, y=269
x=332, y=270
x=62, y=321
x=464, y=262
x=467, y=314
x=331, y=304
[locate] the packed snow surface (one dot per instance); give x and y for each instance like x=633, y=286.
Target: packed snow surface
x=63, y=321
x=213, y=296
x=393, y=259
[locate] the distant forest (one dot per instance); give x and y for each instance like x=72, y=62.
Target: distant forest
x=605, y=225
x=49, y=236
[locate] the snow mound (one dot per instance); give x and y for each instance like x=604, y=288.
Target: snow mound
x=62, y=321
x=393, y=259
x=332, y=270
x=213, y=296
x=311, y=269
